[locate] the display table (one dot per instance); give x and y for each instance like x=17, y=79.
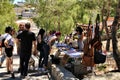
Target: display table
x=73, y=53
x=70, y=58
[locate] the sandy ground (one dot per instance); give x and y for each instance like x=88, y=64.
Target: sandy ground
x=110, y=62
x=104, y=44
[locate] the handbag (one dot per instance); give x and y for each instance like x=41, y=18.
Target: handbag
x=88, y=57
x=88, y=60
x=99, y=57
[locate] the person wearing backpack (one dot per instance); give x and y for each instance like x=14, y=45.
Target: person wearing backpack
x=9, y=44
x=2, y=46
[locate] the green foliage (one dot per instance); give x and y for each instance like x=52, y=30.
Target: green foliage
x=7, y=15
x=53, y=14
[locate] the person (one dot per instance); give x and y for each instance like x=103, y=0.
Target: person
x=27, y=39
x=54, y=39
x=67, y=39
x=49, y=35
x=21, y=29
x=0, y=48
x=9, y=44
x=44, y=50
x=0, y=41
x=0, y=45
x=79, y=31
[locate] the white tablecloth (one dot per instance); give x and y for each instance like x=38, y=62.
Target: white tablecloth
x=73, y=53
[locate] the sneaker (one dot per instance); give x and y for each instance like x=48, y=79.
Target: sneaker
x=22, y=77
x=39, y=69
x=43, y=69
x=12, y=75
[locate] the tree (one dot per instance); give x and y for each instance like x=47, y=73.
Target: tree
x=64, y=14
x=7, y=15
x=105, y=15
x=55, y=14
x=116, y=53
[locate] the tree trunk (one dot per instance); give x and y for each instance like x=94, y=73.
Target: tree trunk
x=105, y=16
x=108, y=44
x=116, y=53
x=108, y=36
x=107, y=33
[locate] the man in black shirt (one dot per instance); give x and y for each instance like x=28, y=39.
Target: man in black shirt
x=21, y=28
x=27, y=38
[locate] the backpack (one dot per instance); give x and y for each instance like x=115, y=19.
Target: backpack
x=3, y=40
x=99, y=57
x=2, y=44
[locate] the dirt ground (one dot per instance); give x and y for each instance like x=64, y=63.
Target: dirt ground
x=110, y=64
x=104, y=44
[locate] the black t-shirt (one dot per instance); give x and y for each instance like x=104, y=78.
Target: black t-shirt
x=26, y=38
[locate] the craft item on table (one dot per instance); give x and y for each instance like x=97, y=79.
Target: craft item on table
x=61, y=45
x=73, y=53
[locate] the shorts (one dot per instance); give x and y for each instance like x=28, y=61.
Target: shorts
x=9, y=51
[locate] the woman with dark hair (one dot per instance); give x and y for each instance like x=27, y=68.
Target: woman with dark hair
x=79, y=31
x=9, y=44
x=54, y=38
x=44, y=50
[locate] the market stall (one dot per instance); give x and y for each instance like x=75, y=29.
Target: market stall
x=69, y=57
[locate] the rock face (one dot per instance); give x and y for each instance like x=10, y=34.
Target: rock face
x=60, y=73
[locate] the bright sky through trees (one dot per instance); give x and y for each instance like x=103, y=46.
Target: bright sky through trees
x=18, y=1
